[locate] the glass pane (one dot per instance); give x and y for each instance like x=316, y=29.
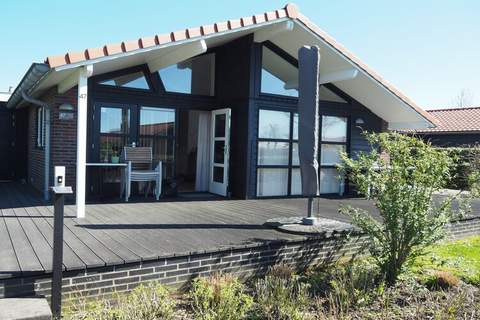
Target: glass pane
x=330, y=181
x=295, y=126
x=325, y=94
x=157, y=121
x=273, y=153
x=111, y=146
x=218, y=174
x=296, y=185
x=193, y=76
x=334, y=129
x=114, y=120
x=274, y=124
x=330, y=154
x=135, y=80
x=162, y=148
x=220, y=125
x=278, y=75
x=219, y=152
x=295, y=157
x=272, y=182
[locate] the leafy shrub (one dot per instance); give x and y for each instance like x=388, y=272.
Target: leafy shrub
x=152, y=301
x=402, y=188
x=281, y=295
x=146, y=302
x=341, y=287
x=466, y=164
x=219, y=297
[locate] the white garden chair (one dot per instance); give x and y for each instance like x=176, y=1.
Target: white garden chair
x=140, y=169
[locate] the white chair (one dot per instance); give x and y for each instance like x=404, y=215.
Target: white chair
x=140, y=169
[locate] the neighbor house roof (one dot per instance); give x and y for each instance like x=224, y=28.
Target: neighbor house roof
x=455, y=120
x=307, y=33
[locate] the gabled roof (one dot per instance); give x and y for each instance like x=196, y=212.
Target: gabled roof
x=455, y=120
x=369, y=88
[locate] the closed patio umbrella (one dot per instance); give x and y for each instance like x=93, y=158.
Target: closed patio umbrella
x=308, y=123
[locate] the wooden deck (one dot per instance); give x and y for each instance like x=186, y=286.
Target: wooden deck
x=120, y=233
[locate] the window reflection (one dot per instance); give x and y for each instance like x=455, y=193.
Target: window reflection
x=278, y=75
x=193, y=76
x=274, y=124
x=134, y=80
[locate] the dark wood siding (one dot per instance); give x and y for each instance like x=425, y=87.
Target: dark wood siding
x=452, y=139
x=6, y=143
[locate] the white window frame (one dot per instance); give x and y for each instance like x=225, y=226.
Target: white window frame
x=40, y=121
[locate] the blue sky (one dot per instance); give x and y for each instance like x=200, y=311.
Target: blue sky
x=429, y=49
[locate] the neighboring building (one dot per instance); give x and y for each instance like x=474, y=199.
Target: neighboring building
x=169, y=90
x=456, y=127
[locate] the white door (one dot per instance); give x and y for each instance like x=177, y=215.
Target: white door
x=220, y=150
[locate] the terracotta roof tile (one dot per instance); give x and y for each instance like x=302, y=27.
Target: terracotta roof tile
x=270, y=15
x=221, y=26
x=207, y=29
x=455, y=120
x=55, y=61
x=247, y=21
x=146, y=42
x=179, y=35
x=112, y=48
x=93, y=53
x=130, y=45
x=73, y=57
x=193, y=32
x=234, y=24
x=259, y=18
x=163, y=38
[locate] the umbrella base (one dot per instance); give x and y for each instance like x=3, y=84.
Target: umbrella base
x=310, y=221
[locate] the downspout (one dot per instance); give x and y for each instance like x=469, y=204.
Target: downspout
x=47, y=140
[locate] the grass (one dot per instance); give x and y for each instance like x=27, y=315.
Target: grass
x=461, y=258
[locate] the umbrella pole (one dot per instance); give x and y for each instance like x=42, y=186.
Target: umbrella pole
x=310, y=207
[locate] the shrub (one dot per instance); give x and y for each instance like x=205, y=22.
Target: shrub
x=466, y=164
x=219, y=297
x=281, y=295
x=402, y=188
x=152, y=301
x=146, y=302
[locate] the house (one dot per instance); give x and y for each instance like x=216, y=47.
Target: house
x=217, y=103
x=456, y=127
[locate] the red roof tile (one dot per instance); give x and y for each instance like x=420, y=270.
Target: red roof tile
x=455, y=120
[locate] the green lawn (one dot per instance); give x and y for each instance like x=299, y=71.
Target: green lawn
x=461, y=258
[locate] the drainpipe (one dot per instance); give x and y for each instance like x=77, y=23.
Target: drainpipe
x=47, y=140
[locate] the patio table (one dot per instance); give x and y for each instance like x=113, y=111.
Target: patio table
x=122, y=166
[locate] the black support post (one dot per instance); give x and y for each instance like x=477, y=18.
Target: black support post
x=57, y=265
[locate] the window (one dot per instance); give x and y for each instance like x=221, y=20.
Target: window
x=41, y=127
x=325, y=94
x=333, y=143
x=134, y=80
x=278, y=75
x=114, y=131
x=277, y=162
x=193, y=76
x=157, y=130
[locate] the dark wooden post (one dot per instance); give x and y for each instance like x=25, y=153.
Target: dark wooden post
x=57, y=265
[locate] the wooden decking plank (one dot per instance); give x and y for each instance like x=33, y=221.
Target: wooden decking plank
x=70, y=258
x=85, y=254
x=120, y=254
x=42, y=248
x=135, y=248
x=9, y=263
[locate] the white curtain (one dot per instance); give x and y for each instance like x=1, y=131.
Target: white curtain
x=203, y=152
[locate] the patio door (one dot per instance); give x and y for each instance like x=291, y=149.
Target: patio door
x=220, y=151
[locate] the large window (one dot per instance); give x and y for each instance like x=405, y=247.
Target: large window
x=157, y=130
x=278, y=75
x=40, y=117
x=333, y=143
x=114, y=131
x=135, y=80
x=277, y=162
x=193, y=76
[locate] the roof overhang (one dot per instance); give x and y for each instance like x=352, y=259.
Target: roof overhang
x=289, y=31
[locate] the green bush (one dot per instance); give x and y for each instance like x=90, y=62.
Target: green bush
x=219, y=297
x=146, y=302
x=466, y=163
x=281, y=295
x=402, y=187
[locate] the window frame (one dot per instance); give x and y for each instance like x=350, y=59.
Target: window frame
x=40, y=138
x=289, y=166
x=321, y=142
